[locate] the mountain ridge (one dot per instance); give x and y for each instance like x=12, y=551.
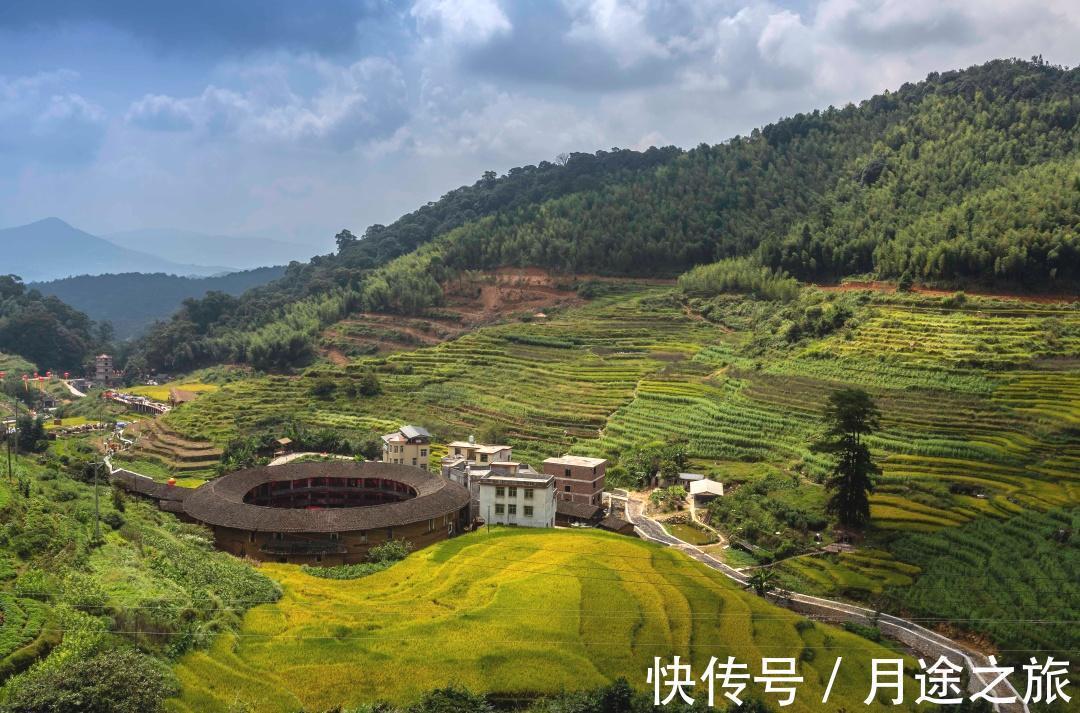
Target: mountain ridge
x=133, y=301
x=52, y=248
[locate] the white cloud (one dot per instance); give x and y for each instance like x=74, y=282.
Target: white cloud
x=161, y=113
x=349, y=105
x=40, y=122
x=786, y=42
x=467, y=21
x=618, y=26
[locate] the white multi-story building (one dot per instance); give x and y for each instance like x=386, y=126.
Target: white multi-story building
x=515, y=494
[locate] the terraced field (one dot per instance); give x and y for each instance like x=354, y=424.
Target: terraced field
x=23, y=633
x=155, y=441
x=536, y=612
x=548, y=384
x=980, y=402
x=14, y=366
x=161, y=391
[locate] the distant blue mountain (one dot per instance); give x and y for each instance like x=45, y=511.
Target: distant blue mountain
x=49, y=249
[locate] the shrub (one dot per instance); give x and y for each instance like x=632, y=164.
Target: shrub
x=744, y=275
x=323, y=388
x=112, y=681
x=391, y=551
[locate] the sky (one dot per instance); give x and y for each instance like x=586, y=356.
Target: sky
x=294, y=120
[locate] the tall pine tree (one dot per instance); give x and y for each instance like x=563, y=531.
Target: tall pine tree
x=850, y=416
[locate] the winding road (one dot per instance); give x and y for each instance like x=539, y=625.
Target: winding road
x=918, y=638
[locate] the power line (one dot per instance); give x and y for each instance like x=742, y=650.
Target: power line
x=586, y=642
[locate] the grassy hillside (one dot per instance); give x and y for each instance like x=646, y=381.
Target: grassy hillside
x=511, y=612
x=151, y=582
x=979, y=397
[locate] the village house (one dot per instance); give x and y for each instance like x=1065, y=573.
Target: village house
x=515, y=494
x=467, y=462
x=409, y=445
x=473, y=452
x=578, y=479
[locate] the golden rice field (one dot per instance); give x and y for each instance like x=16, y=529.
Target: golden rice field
x=161, y=391
x=512, y=612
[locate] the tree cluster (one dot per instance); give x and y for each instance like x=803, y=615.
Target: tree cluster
x=46, y=331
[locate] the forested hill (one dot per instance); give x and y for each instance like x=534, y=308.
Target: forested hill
x=45, y=331
x=133, y=301
x=967, y=177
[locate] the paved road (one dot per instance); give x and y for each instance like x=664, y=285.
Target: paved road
x=926, y=642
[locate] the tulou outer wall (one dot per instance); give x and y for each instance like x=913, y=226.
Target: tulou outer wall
x=327, y=550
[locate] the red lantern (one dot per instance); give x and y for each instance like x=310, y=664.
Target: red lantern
x=48, y=374
x=171, y=482
x=3, y=374
x=67, y=374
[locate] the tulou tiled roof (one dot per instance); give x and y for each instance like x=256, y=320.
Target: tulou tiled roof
x=220, y=502
x=141, y=485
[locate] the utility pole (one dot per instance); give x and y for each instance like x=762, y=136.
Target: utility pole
x=9, y=436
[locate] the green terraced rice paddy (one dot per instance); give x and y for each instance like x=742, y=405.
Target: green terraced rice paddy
x=528, y=612
x=980, y=405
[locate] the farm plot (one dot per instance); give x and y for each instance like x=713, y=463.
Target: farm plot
x=22, y=639
x=991, y=338
x=546, y=384
x=465, y=611
x=1015, y=580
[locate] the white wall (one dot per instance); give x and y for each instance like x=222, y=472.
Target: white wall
x=542, y=503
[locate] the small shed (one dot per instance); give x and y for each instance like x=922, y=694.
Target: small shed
x=705, y=491
x=570, y=513
x=284, y=445
x=617, y=525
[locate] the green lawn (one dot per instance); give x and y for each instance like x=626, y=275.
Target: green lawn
x=511, y=611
